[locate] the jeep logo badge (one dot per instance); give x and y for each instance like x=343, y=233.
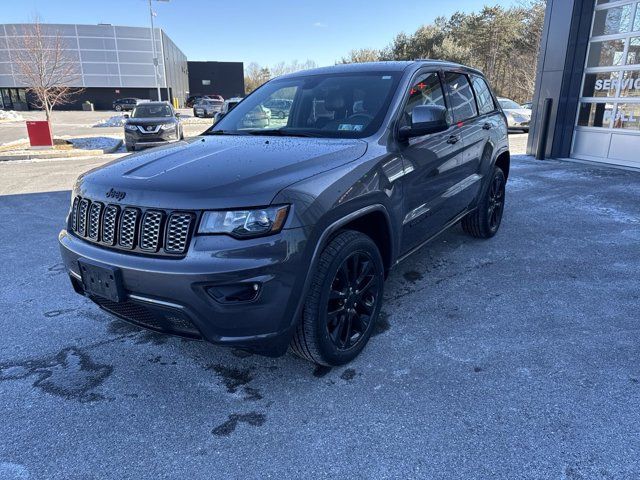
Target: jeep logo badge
x=115, y=194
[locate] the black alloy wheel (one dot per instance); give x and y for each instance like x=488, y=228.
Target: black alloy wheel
x=496, y=202
x=353, y=298
x=343, y=302
x=485, y=220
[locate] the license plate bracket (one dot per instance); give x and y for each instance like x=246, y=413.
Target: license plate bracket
x=101, y=280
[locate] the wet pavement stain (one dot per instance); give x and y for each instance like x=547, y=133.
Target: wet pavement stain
x=70, y=374
x=255, y=419
x=321, y=371
x=382, y=325
x=236, y=378
x=241, y=353
x=348, y=375
x=57, y=313
x=412, y=276
x=56, y=269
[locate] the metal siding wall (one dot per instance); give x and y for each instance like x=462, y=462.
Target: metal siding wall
x=560, y=65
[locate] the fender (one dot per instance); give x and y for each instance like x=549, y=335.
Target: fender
x=322, y=242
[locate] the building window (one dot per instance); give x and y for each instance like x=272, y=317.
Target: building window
x=206, y=82
x=610, y=94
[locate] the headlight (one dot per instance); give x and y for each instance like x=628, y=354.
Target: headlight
x=245, y=223
x=168, y=126
x=130, y=127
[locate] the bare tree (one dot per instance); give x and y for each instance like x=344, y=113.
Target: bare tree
x=44, y=66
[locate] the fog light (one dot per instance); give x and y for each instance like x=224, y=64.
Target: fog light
x=237, y=293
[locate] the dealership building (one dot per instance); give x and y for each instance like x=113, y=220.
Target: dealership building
x=587, y=96
x=112, y=62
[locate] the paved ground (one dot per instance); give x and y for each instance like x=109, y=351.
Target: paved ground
x=80, y=124
x=516, y=357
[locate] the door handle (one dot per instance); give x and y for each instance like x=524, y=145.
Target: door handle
x=487, y=126
x=453, y=139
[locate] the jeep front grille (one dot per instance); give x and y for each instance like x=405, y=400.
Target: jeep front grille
x=178, y=232
x=150, y=231
x=95, y=213
x=128, y=227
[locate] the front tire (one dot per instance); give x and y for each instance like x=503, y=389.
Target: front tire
x=118, y=108
x=485, y=221
x=343, y=303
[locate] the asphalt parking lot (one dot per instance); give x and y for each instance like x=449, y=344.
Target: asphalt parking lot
x=516, y=357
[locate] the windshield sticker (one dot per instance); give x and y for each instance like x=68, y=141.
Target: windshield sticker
x=386, y=77
x=349, y=127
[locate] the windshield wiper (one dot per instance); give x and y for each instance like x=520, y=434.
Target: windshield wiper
x=224, y=132
x=282, y=133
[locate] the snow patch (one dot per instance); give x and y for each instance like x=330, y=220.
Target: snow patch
x=10, y=116
x=94, y=143
x=115, y=121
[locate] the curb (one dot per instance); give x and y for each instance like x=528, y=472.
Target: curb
x=60, y=154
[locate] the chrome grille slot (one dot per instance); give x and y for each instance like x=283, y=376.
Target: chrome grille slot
x=150, y=231
x=95, y=215
x=74, y=214
x=83, y=210
x=178, y=228
x=109, y=222
x=128, y=226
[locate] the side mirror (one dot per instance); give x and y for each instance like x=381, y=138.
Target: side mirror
x=126, y=115
x=426, y=119
x=177, y=114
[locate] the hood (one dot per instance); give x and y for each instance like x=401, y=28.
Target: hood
x=212, y=172
x=525, y=112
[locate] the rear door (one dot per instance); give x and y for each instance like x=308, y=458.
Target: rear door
x=427, y=164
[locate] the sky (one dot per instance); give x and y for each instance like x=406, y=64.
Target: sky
x=262, y=31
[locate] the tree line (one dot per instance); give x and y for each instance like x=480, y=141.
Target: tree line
x=502, y=42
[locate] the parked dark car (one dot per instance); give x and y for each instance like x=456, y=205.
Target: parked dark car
x=152, y=124
x=125, y=104
x=279, y=107
x=282, y=236
x=207, y=107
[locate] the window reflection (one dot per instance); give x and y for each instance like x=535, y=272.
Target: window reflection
x=612, y=21
x=595, y=114
x=627, y=116
x=607, y=53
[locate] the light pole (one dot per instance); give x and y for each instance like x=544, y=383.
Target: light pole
x=153, y=46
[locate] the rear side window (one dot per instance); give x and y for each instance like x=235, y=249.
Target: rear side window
x=425, y=90
x=462, y=102
x=483, y=95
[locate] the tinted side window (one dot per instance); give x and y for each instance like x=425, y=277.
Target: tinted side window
x=426, y=90
x=483, y=95
x=462, y=102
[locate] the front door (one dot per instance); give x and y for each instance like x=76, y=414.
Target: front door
x=430, y=165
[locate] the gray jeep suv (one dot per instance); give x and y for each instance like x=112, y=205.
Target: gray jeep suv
x=281, y=236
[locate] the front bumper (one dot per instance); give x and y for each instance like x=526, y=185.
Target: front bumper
x=141, y=140
x=172, y=295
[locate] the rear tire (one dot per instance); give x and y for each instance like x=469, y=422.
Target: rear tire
x=485, y=221
x=343, y=302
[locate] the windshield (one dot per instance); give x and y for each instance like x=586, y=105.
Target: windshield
x=509, y=104
x=330, y=105
x=150, y=111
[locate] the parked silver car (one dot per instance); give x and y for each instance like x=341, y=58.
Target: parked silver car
x=518, y=118
x=207, y=107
